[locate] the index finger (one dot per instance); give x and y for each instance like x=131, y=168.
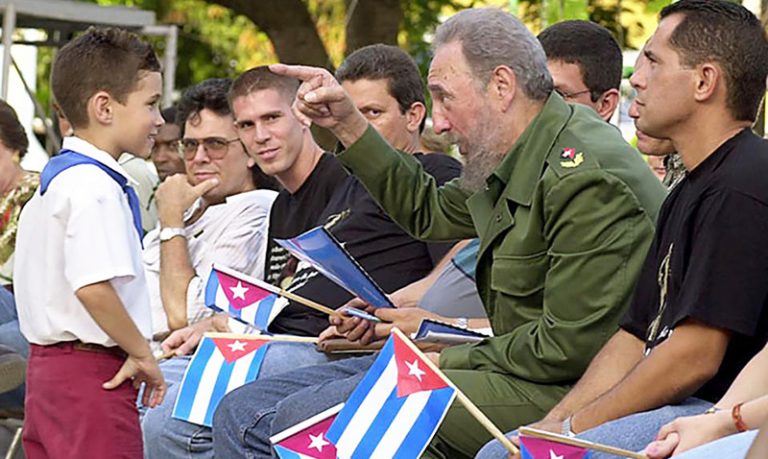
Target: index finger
x=301, y=72
x=204, y=186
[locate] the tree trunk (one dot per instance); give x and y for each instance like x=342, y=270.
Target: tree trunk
x=372, y=21
x=289, y=27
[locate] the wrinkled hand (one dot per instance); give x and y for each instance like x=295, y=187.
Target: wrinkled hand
x=689, y=432
x=184, y=340
x=175, y=195
x=321, y=99
x=141, y=370
x=354, y=328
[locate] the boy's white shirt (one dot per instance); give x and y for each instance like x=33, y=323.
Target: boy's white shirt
x=80, y=233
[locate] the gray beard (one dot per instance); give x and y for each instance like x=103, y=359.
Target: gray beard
x=478, y=167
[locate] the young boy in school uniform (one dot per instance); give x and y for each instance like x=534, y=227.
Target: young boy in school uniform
x=81, y=293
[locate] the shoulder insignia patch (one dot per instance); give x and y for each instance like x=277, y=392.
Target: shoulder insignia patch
x=570, y=159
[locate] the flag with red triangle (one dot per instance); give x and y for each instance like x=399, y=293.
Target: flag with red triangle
x=307, y=440
x=248, y=300
x=539, y=448
x=220, y=364
x=397, y=407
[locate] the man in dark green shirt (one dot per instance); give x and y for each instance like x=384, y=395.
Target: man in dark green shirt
x=563, y=207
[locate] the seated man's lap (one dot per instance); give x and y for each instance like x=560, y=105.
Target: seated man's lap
x=244, y=419
x=508, y=402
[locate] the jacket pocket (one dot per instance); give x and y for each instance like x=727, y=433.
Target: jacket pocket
x=519, y=276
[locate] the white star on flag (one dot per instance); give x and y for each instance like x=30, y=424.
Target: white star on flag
x=552, y=455
x=317, y=442
x=238, y=291
x=237, y=346
x=414, y=370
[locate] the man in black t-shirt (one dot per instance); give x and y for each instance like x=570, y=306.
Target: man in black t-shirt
x=699, y=311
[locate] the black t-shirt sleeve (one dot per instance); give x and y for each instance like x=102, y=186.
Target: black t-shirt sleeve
x=726, y=281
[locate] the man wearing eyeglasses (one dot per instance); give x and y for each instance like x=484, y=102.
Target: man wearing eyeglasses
x=215, y=213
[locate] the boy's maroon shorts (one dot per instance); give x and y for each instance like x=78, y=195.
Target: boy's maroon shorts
x=67, y=414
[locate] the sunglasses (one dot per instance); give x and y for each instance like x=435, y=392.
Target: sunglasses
x=215, y=147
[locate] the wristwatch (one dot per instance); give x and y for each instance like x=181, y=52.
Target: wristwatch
x=462, y=322
x=566, y=429
x=166, y=234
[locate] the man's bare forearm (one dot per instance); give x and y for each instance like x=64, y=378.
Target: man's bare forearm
x=103, y=304
x=674, y=370
x=614, y=361
x=175, y=274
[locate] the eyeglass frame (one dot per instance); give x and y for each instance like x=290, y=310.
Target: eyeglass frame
x=209, y=151
x=571, y=95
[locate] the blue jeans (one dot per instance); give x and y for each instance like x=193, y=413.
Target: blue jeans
x=169, y=438
x=11, y=336
x=730, y=447
x=632, y=432
x=249, y=415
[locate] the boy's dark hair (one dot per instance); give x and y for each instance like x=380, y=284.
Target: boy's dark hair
x=730, y=35
x=390, y=63
x=210, y=95
x=12, y=133
x=591, y=47
x=260, y=78
x=102, y=59
x=169, y=115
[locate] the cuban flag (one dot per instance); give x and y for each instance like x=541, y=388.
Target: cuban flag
x=307, y=439
x=396, y=409
x=248, y=300
x=221, y=364
x=539, y=448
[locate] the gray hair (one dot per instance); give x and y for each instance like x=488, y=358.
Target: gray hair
x=490, y=37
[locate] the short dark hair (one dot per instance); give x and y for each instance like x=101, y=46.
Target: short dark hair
x=12, y=133
x=384, y=62
x=730, y=35
x=169, y=114
x=102, y=59
x=260, y=78
x=210, y=95
x=591, y=47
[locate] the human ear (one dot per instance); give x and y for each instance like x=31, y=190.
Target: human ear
x=503, y=85
x=414, y=115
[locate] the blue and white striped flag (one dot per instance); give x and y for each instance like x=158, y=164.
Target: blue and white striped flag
x=248, y=300
x=396, y=409
x=221, y=364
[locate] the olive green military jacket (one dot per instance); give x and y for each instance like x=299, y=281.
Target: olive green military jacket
x=565, y=222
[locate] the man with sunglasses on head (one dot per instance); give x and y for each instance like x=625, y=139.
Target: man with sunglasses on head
x=217, y=212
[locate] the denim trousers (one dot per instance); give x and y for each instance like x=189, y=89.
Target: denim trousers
x=730, y=447
x=11, y=336
x=632, y=432
x=169, y=438
x=249, y=415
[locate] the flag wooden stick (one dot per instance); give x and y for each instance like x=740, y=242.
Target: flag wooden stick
x=166, y=355
x=579, y=442
x=462, y=398
x=309, y=303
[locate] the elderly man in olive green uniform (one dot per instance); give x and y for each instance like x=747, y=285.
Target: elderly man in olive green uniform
x=564, y=209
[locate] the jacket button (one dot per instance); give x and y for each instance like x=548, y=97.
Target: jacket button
x=498, y=218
